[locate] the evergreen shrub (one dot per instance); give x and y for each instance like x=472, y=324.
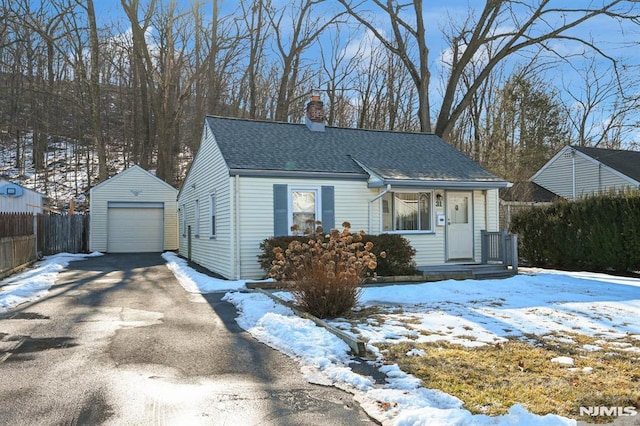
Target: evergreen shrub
x=597, y=233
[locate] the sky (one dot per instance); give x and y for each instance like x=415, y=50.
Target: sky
x=464, y=312
x=566, y=76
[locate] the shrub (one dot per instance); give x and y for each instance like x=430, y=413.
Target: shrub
x=598, y=233
x=398, y=260
x=399, y=254
x=325, y=271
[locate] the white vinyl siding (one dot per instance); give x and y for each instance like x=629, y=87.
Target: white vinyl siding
x=591, y=177
x=28, y=202
x=208, y=175
x=212, y=215
x=133, y=185
x=351, y=200
x=244, y=214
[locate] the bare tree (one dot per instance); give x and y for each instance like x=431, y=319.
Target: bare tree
x=405, y=37
x=601, y=112
x=510, y=27
x=292, y=37
x=255, y=22
x=168, y=73
x=338, y=73
x=94, y=92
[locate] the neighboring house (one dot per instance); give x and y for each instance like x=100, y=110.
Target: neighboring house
x=251, y=180
x=15, y=198
x=579, y=171
x=522, y=196
x=133, y=211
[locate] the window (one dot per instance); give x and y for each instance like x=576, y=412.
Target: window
x=304, y=209
x=212, y=204
x=311, y=203
x=183, y=215
x=406, y=211
x=197, y=218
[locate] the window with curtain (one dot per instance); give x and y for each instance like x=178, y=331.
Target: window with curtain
x=304, y=209
x=406, y=211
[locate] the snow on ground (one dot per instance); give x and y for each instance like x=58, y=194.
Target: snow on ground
x=468, y=312
x=197, y=282
x=35, y=282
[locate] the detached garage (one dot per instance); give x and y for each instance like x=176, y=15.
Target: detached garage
x=133, y=212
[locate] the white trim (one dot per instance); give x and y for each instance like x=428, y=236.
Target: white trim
x=135, y=204
x=124, y=173
x=212, y=214
x=471, y=222
x=303, y=188
x=183, y=216
x=432, y=218
x=196, y=218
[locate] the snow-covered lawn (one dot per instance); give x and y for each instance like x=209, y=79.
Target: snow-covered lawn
x=472, y=313
x=469, y=312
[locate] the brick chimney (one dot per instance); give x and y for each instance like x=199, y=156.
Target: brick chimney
x=315, y=114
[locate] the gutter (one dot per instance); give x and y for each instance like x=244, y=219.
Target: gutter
x=443, y=184
x=376, y=198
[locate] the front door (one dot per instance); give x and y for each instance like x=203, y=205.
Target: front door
x=459, y=226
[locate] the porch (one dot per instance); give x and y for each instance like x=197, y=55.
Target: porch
x=499, y=259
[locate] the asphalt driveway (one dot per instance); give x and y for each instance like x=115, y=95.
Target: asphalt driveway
x=118, y=341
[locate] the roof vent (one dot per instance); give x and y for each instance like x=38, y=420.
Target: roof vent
x=315, y=114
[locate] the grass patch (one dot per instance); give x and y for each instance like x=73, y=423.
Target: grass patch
x=490, y=379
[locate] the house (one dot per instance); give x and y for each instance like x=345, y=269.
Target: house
x=15, y=198
x=251, y=180
x=578, y=171
x=133, y=211
x=521, y=196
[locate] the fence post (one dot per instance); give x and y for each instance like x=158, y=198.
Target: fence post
x=514, y=252
x=504, y=247
x=35, y=233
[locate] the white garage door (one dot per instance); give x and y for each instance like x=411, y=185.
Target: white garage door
x=135, y=227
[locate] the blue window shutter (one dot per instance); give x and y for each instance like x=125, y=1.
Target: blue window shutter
x=280, y=210
x=328, y=208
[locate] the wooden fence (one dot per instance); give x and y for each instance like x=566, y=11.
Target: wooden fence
x=16, y=224
x=23, y=237
x=16, y=252
x=63, y=234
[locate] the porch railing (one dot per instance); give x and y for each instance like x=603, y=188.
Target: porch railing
x=500, y=247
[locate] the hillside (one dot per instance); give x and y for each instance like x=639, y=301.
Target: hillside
x=70, y=171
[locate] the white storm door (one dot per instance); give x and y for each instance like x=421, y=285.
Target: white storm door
x=459, y=226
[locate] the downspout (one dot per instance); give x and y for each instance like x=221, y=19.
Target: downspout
x=376, y=198
x=236, y=188
x=573, y=172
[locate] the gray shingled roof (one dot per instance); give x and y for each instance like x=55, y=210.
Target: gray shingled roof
x=252, y=145
x=529, y=192
x=625, y=162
